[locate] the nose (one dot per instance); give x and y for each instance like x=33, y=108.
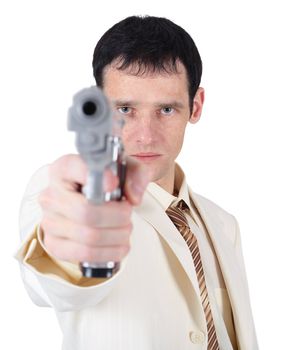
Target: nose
x=145, y=131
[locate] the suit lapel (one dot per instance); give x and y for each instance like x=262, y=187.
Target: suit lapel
x=155, y=215
x=233, y=275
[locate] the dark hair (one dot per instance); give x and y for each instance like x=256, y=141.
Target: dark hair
x=148, y=44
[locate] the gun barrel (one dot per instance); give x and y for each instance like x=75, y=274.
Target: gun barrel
x=89, y=108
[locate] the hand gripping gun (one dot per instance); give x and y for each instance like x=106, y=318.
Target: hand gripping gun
x=98, y=140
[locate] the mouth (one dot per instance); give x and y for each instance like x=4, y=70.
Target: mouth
x=146, y=157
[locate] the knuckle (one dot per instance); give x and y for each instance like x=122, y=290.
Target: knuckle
x=127, y=249
x=59, y=163
x=122, y=252
x=126, y=213
x=44, y=198
x=126, y=233
x=129, y=229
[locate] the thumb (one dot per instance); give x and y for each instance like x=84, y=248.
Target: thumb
x=137, y=179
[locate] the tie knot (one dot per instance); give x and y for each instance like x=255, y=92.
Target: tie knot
x=176, y=214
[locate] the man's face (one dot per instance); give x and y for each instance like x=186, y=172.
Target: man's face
x=156, y=109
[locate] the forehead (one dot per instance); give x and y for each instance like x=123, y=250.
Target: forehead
x=141, y=76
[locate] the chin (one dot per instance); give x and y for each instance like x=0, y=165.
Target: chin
x=156, y=176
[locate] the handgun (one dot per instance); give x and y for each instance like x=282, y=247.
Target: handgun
x=99, y=143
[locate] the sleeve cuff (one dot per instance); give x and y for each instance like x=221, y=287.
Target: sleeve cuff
x=34, y=254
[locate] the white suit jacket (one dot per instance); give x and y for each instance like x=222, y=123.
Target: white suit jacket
x=152, y=302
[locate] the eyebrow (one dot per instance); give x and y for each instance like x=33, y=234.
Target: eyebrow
x=124, y=103
x=130, y=103
x=174, y=104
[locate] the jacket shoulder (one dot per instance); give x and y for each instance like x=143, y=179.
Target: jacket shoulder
x=210, y=205
x=213, y=213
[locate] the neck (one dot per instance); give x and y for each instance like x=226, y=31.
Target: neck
x=167, y=182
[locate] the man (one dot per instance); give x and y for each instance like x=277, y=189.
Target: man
x=182, y=283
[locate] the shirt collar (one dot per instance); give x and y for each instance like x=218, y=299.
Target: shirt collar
x=164, y=198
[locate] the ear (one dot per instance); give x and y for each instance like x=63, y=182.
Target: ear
x=198, y=101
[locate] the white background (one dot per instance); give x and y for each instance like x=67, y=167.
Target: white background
x=237, y=155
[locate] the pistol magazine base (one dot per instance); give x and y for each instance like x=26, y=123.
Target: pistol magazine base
x=99, y=272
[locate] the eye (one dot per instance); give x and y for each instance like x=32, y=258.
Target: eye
x=167, y=110
x=125, y=110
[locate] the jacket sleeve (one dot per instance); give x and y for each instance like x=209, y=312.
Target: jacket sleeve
x=48, y=281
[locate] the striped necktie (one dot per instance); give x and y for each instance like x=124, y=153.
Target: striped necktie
x=178, y=218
